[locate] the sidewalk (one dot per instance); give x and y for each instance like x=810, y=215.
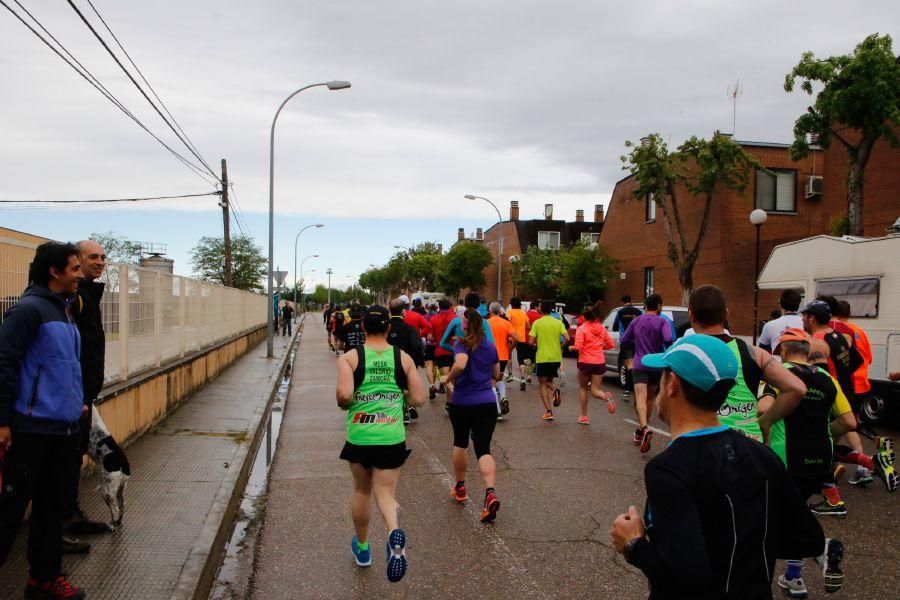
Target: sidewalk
x=184, y=472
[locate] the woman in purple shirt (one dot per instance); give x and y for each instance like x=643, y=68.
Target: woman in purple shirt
x=473, y=410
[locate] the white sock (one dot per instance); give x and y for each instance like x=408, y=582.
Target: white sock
x=501, y=389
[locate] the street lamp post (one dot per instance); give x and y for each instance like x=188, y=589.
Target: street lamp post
x=297, y=237
x=499, y=245
x=303, y=279
x=331, y=85
x=757, y=218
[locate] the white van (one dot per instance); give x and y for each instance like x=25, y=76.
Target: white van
x=866, y=273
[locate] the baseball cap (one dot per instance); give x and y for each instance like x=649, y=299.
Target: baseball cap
x=404, y=299
x=793, y=334
x=701, y=360
x=817, y=307
x=375, y=316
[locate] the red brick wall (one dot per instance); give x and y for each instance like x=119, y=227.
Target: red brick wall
x=510, y=248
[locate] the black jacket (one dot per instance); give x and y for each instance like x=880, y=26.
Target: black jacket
x=406, y=337
x=86, y=313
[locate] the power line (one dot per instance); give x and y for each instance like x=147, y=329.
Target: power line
x=98, y=86
x=216, y=193
x=139, y=88
x=238, y=213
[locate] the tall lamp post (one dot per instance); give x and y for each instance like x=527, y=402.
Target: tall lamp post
x=331, y=85
x=297, y=237
x=500, y=244
x=757, y=218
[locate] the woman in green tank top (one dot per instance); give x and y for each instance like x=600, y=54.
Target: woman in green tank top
x=370, y=387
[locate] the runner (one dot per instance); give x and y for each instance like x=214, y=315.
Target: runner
x=326, y=318
x=802, y=440
x=545, y=333
x=790, y=304
x=354, y=334
x=708, y=312
x=415, y=319
x=443, y=358
x=473, y=411
x=430, y=343
x=720, y=508
x=623, y=319
x=370, y=388
x=456, y=326
x=337, y=328
x=460, y=307
x=648, y=333
x=404, y=336
x=521, y=324
x=591, y=339
x=861, y=384
x=504, y=334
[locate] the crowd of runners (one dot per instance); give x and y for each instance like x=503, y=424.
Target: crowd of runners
x=762, y=432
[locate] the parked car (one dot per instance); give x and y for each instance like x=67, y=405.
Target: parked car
x=678, y=314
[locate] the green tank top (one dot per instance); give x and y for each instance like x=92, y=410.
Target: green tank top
x=375, y=418
x=739, y=409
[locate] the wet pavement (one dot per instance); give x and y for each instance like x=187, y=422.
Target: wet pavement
x=561, y=484
x=184, y=473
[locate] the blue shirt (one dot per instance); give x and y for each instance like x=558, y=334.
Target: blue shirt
x=454, y=329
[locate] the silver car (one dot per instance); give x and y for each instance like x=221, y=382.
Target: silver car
x=678, y=314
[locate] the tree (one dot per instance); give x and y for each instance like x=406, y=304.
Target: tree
x=585, y=270
x=424, y=265
x=860, y=92
x=537, y=272
x=699, y=166
x=119, y=250
x=463, y=267
x=249, y=266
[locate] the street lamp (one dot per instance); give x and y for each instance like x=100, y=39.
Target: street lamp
x=500, y=244
x=331, y=85
x=303, y=279
x=297, y=237
x=757, y=218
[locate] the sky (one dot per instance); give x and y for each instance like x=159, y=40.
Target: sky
x=521, y=100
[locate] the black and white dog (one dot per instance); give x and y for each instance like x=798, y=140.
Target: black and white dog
x=113, y=465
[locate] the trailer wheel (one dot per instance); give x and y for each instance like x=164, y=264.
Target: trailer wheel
x=873, y=409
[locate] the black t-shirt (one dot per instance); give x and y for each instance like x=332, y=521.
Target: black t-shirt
x=845, y=358
x=625, y=317
x=406, y=337
x=353, y=334
x=720, y=510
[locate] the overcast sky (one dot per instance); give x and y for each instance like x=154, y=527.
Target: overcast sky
x=514, y=100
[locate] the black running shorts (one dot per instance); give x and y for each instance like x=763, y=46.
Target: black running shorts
x=524, y=352
x=647, y=377
x=444, y=361
x=429, y=353
x=378, y=457
x=550, y=370
x=475, y=421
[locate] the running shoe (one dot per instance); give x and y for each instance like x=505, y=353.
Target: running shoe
x=557, y=397
x=626, y=393
x=590, y=384
x=862, y=477
x=504, y=406
x=362, y=557
x=510, y=378
x=459, y=493
x=839, y=472
x=406, y=416
x=522, y=386
x=413, y=413
x=499, y=417
x=432, y=393
x=610, y=403
x=638, y=436
x=57, y=588
x=442, y=389
x=584, y=420
x=396, y=556
x=446, y=407
x=528, y=380
x=548, y=416
x=827, y=508
x=491, y=506
x=886, y=444
x=830, y=563
x=646, y=437
x=795, y=587
x=884, y=468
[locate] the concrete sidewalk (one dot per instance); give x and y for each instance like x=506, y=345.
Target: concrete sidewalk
x=184, y=473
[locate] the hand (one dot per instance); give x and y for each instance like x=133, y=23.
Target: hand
x=5, y=438
x=626, y=528
x=445, y=379
x=571, y=348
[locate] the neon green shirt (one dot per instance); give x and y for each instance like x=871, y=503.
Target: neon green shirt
x=739, y=409
x=546, y=331
x=375, y=418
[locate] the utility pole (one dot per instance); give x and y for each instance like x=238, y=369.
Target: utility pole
x=329, y=272
x=226, y=220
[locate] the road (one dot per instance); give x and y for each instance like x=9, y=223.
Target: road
x=561, y=484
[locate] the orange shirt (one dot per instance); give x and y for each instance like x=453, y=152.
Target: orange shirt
x=519, y=322
x=502, y=330
x=861, y=383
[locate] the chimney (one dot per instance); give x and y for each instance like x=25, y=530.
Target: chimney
x=514, y=210
x=479, y=234
x=548, y=212
x=598, y=213
x=579, y=216
x=460, y=234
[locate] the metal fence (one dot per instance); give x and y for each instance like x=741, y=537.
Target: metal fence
x=150, y=317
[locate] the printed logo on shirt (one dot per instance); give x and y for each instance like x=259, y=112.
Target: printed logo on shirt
x=744, y=409
x=379, y=418
x=388, y=397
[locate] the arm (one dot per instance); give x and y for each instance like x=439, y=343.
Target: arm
x=448, y=335
x=416, y=395
x=496, y=374
x=459, y=365
x=579, y=340
x=564, y=331
x=627, y=337
x=765, y=338
x=608, y=342
x=415, y=345
x=790, y=390
x=844, y=419
x=344, y=391
x=19, y=330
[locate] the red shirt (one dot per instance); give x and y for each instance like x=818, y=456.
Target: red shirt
x=413, y=318
x=439, y=324
x=533, y=316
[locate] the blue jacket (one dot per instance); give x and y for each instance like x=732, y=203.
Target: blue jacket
x=40, y=366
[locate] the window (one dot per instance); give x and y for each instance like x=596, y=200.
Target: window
x=548, y=240
x=648, y=281
x=650, y=210
x=861, y=293
x=776, y=191
x=590, y=238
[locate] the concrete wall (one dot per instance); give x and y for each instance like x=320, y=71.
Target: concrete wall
x=131, y=407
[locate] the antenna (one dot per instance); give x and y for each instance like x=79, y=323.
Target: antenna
x=734, y=92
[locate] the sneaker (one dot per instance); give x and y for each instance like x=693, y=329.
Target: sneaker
x=510, y=378
x=81, y=525
x=432, y=393
x=590, y=384
x=610, y=403
x=638, y=436
x=491, y=506
x=504, y=406
x=548, y=416
x=827, y=508
x=459, y=493
x=528, y=380
x=58, y=589
x=557, y=397
x=830, y=563
x=362, y=557
x=884, y=468
x=886, y=444
x=646, y=436
x=795, y=587
x=442, y=389
x=413, y=413
x=522, y=386
x=396, y=556
x=626, y=393
x=584, y=420
x=862, y=477
x=500, y=417
x=446, y=407
x=839, y=472
x=406, y=416
x=71, y=545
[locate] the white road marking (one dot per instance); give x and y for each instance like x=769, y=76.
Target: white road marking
x=660, y=431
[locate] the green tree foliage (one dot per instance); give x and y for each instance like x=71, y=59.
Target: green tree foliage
x=463, y=267
x=338, y=296
x=118, y=249
x=536, y=273
x=701, y=167
x=424, y=264
x=585, y=270
x=860, y=95
x=249, y=266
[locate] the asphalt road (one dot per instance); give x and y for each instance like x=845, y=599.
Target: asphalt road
x=561, y=484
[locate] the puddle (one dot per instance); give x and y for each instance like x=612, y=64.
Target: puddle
x=233, y=578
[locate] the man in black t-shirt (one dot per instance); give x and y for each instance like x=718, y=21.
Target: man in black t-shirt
x=406, y=337
x=721, y=508
x=354, y=334
x=624, y=317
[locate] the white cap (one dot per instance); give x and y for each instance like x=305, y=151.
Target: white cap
x=404, y=299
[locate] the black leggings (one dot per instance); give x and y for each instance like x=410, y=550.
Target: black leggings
x=478, y=420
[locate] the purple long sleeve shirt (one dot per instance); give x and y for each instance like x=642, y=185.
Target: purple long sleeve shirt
x=650, y=333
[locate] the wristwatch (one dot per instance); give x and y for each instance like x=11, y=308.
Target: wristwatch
x=629, y=546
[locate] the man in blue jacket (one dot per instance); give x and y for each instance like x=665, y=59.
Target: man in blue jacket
x=41, y=401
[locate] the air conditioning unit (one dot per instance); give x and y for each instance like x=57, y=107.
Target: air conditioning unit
x=814, y=186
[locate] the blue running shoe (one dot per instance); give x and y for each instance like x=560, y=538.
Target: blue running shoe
x=362, y=557
x=396, y=556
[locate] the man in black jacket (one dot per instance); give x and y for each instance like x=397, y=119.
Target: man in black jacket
x=406, y=337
